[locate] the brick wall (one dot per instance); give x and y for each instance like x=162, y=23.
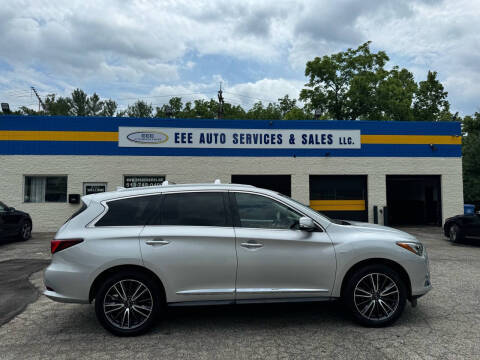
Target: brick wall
x=110, y=169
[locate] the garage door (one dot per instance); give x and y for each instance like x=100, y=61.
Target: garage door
x=340, y=196
x=414, y=200
x=278, y=183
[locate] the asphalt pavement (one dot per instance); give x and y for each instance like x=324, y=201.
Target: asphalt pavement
x=17, y=291
x=444, y=325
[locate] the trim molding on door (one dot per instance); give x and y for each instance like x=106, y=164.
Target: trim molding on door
x=279, y=291
x=206, y=292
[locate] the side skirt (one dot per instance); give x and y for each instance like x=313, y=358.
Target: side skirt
x=251, y=301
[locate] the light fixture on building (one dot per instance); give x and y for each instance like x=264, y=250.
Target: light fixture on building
x=6, y=108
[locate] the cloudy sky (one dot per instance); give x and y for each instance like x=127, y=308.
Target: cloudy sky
x=152, y=50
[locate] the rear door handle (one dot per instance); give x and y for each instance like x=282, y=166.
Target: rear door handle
x=157, y=241
x=251, y=245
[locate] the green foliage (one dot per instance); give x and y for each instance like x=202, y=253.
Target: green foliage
x=430, y=99
x=394, y=96
x=354, y=84
x=286, y=104
x=60, y=106
x=140, y=109
x=297, y=114
x=94, y=105
x=79, y=103
x=344, y=84
x=471, y=158
x=109, y=107
x=260, y=112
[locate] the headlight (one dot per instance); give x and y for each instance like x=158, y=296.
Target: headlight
x=414, y=247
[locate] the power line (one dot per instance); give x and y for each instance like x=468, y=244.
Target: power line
x=250, y=97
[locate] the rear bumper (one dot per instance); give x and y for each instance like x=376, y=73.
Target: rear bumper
x=62, y=298
x=65, y=283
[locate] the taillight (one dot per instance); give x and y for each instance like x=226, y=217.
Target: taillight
x=58, y=245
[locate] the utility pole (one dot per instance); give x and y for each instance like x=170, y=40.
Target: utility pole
x=40, y=102
x=220, y=102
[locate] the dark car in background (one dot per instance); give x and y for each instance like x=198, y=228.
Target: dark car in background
x=464, y=226
x=14, y=223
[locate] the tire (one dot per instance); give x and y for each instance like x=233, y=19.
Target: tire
x=128, y=303
x=455, y=234
x=25, y=230
x=367, y=304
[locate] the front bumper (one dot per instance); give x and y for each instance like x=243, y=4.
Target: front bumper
x=420, y=276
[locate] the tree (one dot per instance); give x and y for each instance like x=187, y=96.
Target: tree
x=395, y=95
x=233, y=112
x=471, y=158
x=109, y=108
x=79, y=103
x=342, y=84
x=174, y=107
x=94, y=105
x=430, y=99
x=286, y=104
x=354, y=84
x=140, y=109
x=259, y=112
x=58, y=106
x=297, y=114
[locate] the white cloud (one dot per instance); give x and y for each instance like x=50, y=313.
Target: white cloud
x=141, y=46
x=265, y=90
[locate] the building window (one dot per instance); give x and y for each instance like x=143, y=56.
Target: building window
x=40, y=189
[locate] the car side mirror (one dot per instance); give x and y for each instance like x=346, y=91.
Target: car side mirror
x=11, y=209
x=305, y=223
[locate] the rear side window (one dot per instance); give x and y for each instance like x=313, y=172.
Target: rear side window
x=78, y=212
x=128, y=212
x=194, y=209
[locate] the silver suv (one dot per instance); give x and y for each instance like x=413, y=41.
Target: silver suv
x=135, y=251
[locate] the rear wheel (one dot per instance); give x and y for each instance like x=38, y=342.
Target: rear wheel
x=128, y=303
x=25, y=230
x=375, y=295
x=455, y=233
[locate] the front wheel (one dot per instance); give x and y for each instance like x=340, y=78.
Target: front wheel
x=127, y=303
x=455, y=234
x=375, y=295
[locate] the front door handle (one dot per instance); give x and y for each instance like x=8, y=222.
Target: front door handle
x=157, y=241
x=251, y=245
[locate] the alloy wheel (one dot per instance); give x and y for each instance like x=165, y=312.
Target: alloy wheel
x=25, y=231
x=128, y=304
x=453, y=234
x=376, y=296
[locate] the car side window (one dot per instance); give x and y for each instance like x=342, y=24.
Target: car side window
x=3, y=208
x=133, y=211
x=195, y=209
x=256, y=211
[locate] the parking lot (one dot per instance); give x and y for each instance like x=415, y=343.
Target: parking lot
x=445, y=324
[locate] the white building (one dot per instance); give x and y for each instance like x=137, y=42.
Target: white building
x=404, y=172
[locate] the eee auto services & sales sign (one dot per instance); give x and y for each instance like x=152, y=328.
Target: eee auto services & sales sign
x=238, y=138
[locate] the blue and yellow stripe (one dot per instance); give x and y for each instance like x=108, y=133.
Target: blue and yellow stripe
x=59, y=135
